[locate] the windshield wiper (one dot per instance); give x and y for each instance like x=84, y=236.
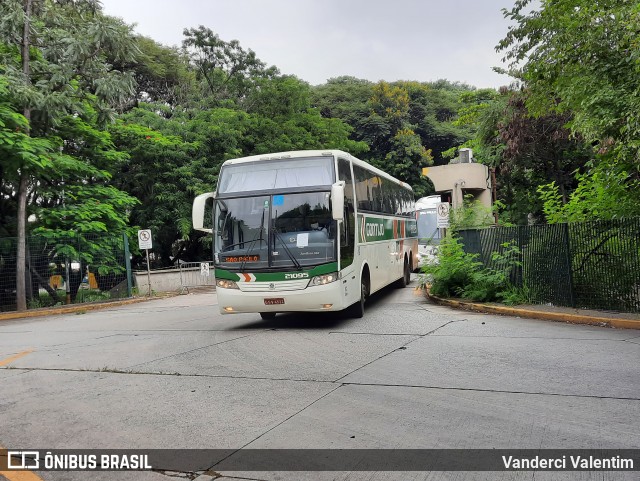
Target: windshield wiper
x=226, y=248
x=286, y=249
x=253, y=243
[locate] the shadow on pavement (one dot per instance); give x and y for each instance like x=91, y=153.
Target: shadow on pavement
x=316, y=320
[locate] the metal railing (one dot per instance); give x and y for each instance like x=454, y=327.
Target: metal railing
x=194, y=275
x=594, y=265
x=65, y=270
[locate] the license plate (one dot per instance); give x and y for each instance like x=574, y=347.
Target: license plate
x=273, y=301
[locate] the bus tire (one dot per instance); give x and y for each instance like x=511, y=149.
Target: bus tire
x=356, y=310
x=406, y=276
x=267, y=316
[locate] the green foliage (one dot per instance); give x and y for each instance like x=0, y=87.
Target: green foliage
x=471, y=215
x=227, y=72
x=407, y=156
x=163, y=173
x=395, y=146
x=453, y=270
x=581, y=57
x=581, y=60
x=433, y=111
x=460, y=274
x=18, y=150
x=66, y=90
x=407, y=125
x=343, y=98
x=492, y=284
x=526, y=152
x=279, y=97
x=91, y=296
x=514, y=296
x=606, y=191
x=162, y=74
x=71, y=41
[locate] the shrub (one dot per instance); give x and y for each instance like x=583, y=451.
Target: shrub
x=457, y=273
x=453, y=269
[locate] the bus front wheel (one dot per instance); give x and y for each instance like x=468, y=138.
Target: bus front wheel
x=357, y=310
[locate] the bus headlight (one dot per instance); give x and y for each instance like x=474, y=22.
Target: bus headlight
x=226, y=284
x=324, y=279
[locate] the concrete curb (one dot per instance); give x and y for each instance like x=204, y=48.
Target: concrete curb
x=75, y=308
x=548, y=316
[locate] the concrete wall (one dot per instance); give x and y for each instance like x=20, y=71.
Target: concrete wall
x=173, y=279
x=462, y=179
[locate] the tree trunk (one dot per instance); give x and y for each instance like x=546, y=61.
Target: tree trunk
x=21, y=298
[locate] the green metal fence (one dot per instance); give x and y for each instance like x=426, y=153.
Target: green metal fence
x=65, y=270
x=593, y=265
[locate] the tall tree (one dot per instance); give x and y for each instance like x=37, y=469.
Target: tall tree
x=582, y=59
x=527, y=151
x=344, y=98
x=433, y=108
x=402, y=122
x=394, y=145
x=228, y=72
x=162, y=74
x=54, y=57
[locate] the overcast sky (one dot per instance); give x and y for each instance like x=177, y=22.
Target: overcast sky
x=315, y=40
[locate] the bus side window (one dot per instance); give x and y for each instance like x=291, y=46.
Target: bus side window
x=363, y=193
x=347, y=232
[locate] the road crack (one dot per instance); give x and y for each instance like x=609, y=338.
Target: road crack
x=401, y=348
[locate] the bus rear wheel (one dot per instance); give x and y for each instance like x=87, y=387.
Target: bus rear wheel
x=406, y=276
x=267, y=316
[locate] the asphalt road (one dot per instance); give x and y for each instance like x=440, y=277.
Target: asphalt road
x=174, y=373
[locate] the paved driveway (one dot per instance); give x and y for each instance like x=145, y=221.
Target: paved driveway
x=174, y=373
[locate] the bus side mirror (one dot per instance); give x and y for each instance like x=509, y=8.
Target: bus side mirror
x=337, y=200
x=197, y=213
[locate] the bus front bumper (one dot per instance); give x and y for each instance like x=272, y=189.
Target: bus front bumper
x=330, y=297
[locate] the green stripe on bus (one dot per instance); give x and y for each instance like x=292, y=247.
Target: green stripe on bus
x=374, y=229
x=279, y=276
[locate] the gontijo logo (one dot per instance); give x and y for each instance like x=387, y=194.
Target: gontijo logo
x=375, y=230
x=371, y=229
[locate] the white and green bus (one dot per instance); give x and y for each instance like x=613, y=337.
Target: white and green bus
x=307, y=231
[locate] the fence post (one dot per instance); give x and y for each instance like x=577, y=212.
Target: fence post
x=567, y=242
x=127, y=263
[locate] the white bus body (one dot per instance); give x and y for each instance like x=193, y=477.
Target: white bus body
x=307, y=231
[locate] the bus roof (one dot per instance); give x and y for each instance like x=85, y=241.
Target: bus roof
x=428, y=202
x=294, y=154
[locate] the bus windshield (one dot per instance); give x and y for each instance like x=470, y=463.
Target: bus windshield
x=282, y=230
x=428, y=232
x=276, y=174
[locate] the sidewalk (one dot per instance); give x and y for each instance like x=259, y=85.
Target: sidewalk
x=80, y=308
x=618, y=320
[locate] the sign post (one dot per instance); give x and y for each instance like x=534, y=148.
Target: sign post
x=442, y=217
x=204, y=269
x=146, y=242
